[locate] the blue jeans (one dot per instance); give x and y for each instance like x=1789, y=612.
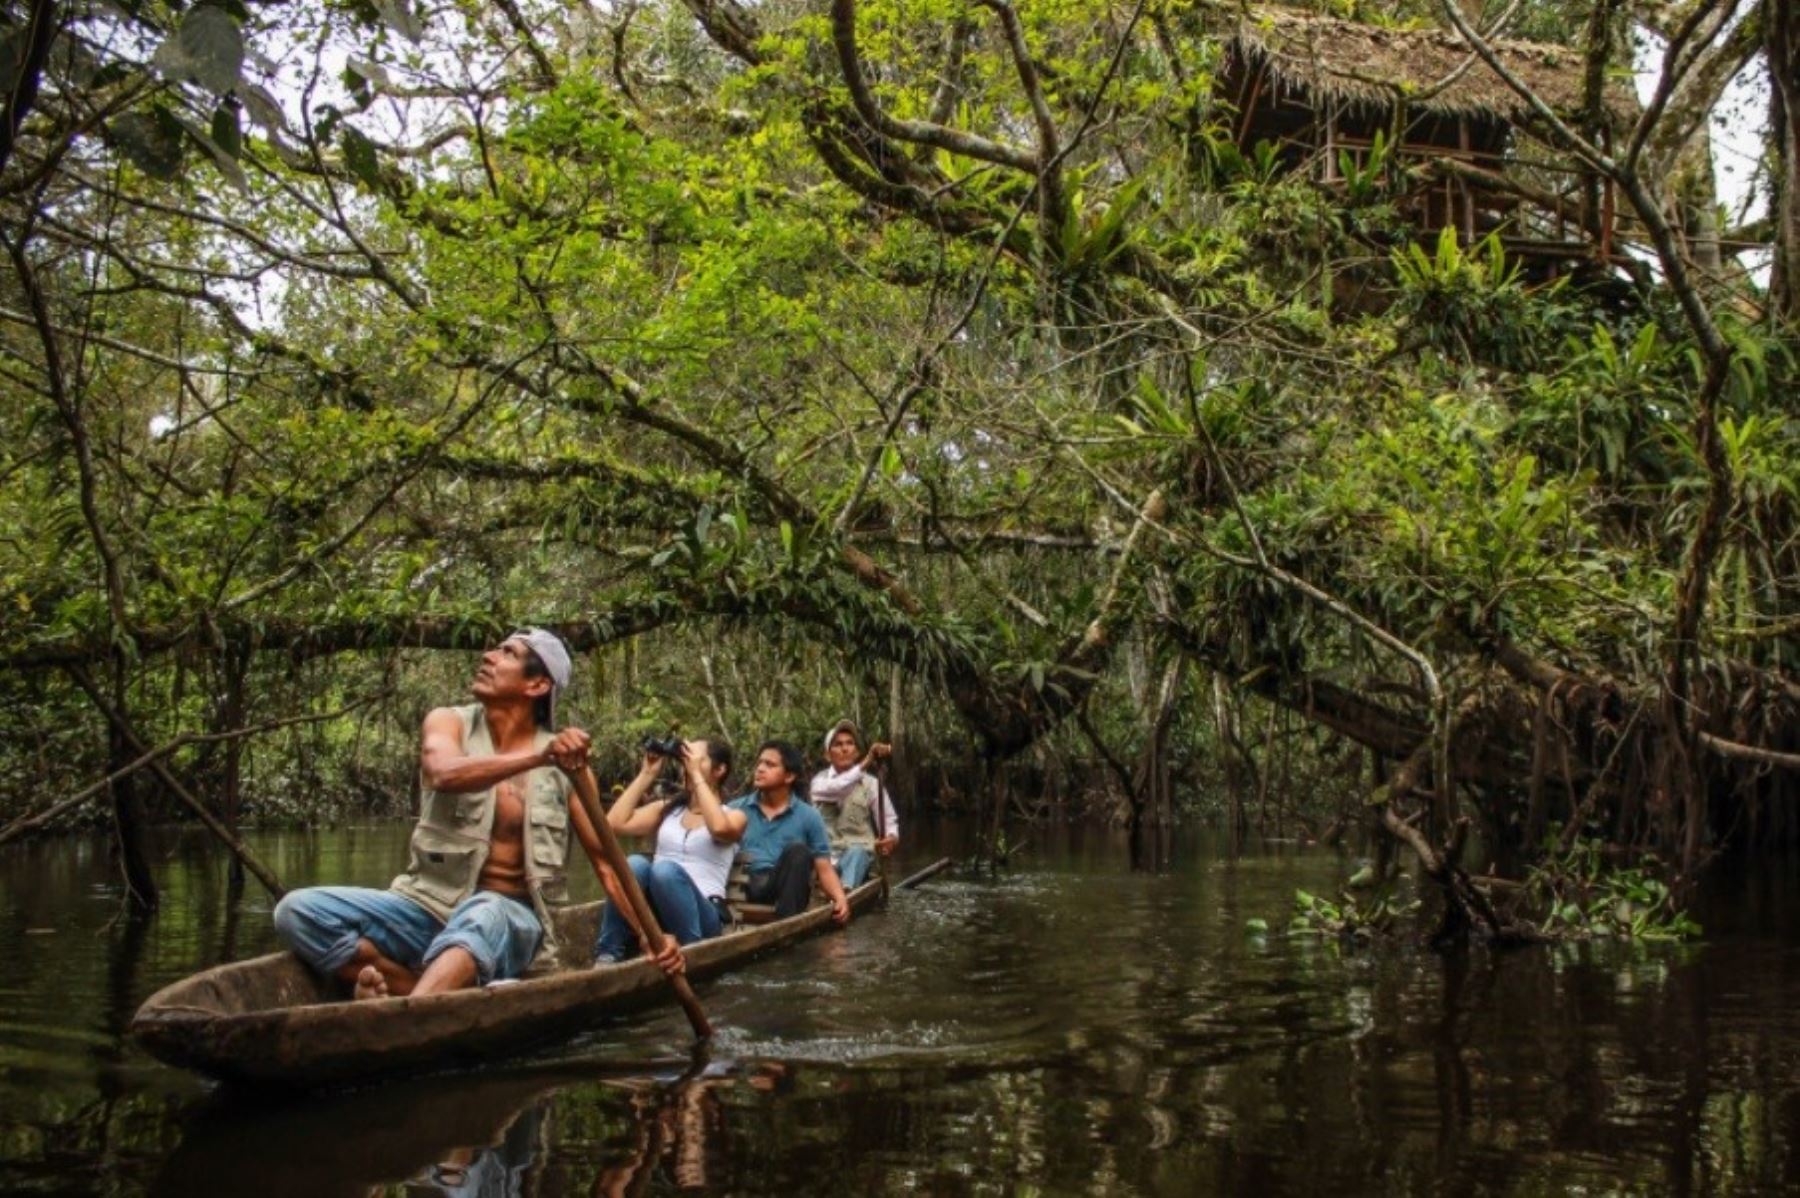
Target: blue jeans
x=854, y=866
x=322, y=925
x=680, y=908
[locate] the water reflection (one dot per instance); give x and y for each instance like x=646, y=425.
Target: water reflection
x=677, y=1132
x=468, y=1136
x=1071, y=1028
x=549, y=1129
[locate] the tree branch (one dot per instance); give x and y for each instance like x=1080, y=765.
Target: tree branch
x=943, y=137
x=27, y=823
x=118, y=719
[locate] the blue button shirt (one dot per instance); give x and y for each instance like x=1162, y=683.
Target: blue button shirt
x=764, y=838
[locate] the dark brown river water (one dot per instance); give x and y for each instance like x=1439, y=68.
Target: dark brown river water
x=1072, y=1028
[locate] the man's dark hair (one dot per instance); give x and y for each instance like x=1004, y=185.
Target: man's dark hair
x=791, y=761
x=540, y=706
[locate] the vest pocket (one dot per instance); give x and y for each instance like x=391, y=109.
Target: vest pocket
x=549, y=833
x=443, y=864
x=550, y=843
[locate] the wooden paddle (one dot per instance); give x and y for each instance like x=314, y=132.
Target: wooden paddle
x=588, y=791
x=930, y=871
x=880, y=821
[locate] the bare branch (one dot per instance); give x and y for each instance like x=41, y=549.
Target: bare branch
x=1049, y=154
x=1756, y=753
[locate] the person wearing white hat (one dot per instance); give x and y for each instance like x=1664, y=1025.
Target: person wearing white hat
x=859, y=812
x=488, y=854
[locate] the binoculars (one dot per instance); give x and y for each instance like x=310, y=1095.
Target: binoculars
x=664, y=746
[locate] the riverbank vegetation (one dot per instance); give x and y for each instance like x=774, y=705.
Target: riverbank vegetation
x=1423, y=466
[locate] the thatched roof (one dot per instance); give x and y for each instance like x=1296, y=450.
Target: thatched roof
x=1372, y=66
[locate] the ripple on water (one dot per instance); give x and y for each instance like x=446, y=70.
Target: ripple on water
x=1070, y=1028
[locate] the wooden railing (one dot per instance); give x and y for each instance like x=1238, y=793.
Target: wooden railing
x=1538, y=207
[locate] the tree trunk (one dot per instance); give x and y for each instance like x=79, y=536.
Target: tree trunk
x=900, y=765
x=1781, y=35
x=998, y=794
x=1262, y=777
x=130, y=824
x=1240, y=766
x=1697, y=203
x=1152, y=778
x=234, y=662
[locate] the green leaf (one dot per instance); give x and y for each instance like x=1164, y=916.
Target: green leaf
x=208, y=48
x=227, y=163
x=359, y=157
x=374, y=72
x=1104, y=242
x=399, y=16
x=150, y=141
x=227, y=128
x=264, y=108
x=328, y=120
x=361, y=94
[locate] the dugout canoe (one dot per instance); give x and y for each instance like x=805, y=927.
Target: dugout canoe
x=270, y=1021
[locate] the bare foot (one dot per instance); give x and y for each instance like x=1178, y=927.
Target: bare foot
x=369, y=984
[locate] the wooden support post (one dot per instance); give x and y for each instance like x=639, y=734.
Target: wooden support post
x=1255, y=94
x=1608, y=210
x=1468, y=196
x=1331, y=173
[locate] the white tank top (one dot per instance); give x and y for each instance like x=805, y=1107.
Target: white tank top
x=707, y=861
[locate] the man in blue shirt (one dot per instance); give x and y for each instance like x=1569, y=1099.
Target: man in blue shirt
x=784, y=839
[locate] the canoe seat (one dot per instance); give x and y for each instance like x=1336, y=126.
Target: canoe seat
x=743, y=911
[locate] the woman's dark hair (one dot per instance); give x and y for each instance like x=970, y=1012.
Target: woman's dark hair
x=719, y=753
x=540, y=706
x=791, y=761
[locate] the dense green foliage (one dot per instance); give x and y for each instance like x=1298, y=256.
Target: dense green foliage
x=642, y=321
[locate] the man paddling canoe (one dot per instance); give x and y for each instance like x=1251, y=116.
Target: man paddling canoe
x=858, y=812
x=488, y=853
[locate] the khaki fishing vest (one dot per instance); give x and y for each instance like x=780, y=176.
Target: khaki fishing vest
x=451, y=842
x=851, y=820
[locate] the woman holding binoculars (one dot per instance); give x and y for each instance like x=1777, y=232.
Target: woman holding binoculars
x=696, y=838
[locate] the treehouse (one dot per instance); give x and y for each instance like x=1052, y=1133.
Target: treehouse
x=1348, y=102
